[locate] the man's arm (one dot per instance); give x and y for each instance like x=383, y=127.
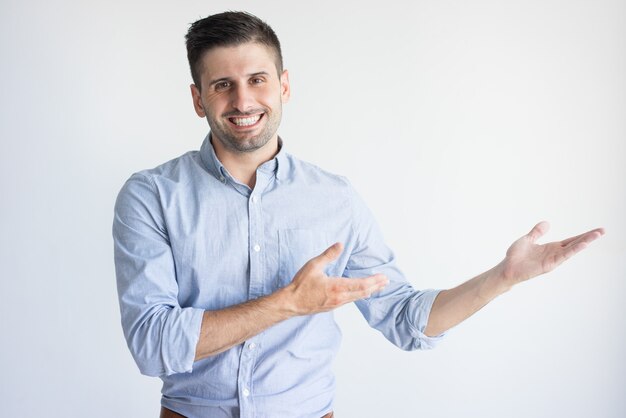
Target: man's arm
x=524, y=260
x=310, y=292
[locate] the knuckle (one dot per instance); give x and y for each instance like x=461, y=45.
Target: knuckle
x=337, y=299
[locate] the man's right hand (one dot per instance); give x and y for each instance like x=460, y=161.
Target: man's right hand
x=312, y=291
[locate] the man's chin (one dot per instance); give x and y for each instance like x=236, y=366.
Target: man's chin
x=244, y=145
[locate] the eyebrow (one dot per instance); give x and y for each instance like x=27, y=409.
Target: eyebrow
x=218, y=80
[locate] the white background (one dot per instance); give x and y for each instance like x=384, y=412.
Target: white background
x=462, y=123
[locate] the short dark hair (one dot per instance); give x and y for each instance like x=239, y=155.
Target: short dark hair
x=228, y=29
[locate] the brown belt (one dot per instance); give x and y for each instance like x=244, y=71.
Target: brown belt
x=168, y=413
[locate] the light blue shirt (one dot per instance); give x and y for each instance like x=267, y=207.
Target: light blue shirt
x=189, y=238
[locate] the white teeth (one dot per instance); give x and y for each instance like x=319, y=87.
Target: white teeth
x=246, y=121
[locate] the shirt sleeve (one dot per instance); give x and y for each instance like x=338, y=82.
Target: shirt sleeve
x=161, y=335
x=399, y=311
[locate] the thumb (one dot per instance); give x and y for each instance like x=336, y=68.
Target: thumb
x=330, y=254
x=538, y=231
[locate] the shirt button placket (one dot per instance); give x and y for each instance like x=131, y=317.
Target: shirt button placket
x=248, y=356
x=246, y=400
x=255, y=236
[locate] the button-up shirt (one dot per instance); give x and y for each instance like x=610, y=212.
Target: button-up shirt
x=189, y=237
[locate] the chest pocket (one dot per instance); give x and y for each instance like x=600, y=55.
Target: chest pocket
x=295, y=248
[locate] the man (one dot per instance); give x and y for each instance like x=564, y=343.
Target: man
x=230, y=260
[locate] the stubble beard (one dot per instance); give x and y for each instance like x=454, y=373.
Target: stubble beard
x=236, y=143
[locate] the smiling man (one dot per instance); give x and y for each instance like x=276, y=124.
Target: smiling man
x=231, y=259
x=240, y=90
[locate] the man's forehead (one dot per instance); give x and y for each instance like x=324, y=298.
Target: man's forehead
x=238, y=60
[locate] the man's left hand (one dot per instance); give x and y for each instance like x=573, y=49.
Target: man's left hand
x=526, y=259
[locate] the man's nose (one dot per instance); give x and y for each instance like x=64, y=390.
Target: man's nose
x=241, y=98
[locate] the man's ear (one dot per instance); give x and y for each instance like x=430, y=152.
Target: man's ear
x=197, y=101
x=285, y=88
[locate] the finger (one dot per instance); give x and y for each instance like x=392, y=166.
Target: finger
x=578, y=243
x=538, y=231
x=370, y=283
x=350, y=290
x=588, y=236
x=330, y=254
x=366, y=293
x=570, y=251
x=569, y=240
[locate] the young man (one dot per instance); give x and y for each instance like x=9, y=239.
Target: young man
x=230, y=260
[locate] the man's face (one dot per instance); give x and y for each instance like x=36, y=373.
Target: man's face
x=242, y=95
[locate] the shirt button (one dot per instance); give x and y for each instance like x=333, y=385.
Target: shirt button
x=257, y=248
x=252, y=346
x=254, y=199
x=223, y=179
x=246, y=392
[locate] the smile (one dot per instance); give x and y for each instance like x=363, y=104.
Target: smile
x=247, y=121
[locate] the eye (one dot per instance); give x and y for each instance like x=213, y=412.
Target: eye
x=257, y=80
x=222, y=85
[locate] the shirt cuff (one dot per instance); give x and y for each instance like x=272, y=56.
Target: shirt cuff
x=427, y=299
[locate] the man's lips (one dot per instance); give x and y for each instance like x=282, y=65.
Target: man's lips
x=246, y=121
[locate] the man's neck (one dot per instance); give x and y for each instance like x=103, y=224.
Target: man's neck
x=243, y=165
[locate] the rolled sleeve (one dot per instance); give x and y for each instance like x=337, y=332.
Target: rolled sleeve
x=161, y=335
x=422, y=313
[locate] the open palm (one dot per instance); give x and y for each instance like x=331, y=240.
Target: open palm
x=526, y=259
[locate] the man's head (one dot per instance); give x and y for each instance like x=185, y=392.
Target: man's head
x=228, y=29
x=239, y=84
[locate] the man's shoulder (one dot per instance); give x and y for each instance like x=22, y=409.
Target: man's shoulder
x=302, y=170
x=173, y=170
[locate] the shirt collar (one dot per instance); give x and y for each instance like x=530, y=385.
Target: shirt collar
x=277, y=165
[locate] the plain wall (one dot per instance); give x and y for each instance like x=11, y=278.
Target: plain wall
x=461, y=123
